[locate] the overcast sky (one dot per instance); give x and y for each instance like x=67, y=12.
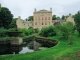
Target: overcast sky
x=25, y=8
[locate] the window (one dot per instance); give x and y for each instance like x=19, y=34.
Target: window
x=42, y=23
x=35, y=23
x=45, y=23
x=49, y=18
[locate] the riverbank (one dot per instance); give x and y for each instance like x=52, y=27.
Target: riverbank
x=59, y=51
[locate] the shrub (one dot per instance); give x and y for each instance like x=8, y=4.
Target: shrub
x=26, y=32
x=77, y=21
x=36, y=30
x=65, y=30
x=3, y=32
x=7, y=32
x=47, y=31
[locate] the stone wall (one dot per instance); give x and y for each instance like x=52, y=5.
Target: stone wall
x=10, y=45
x=45, y=42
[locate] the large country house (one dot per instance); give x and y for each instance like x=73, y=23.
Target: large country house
x=42, y=18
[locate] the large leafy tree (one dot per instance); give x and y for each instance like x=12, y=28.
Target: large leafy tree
x=30, y=18
x=47, y=31
x=77, y=21
x=13, y=23
x=5, y=17
x=63, y=17
x=0, y=7
x=65, y=30
x=54, y=17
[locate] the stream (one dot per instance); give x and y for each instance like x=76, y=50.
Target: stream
x=25, y=50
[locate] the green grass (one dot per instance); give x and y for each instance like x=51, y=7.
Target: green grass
x=61, y=50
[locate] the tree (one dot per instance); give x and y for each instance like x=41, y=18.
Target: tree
x=26, y=19
x=58, y=18
x=65, y=30
x=26, y=32
x=77, y=21
x=5, y=17
x=13, y=23
x=0, y=7
x=54, y=17
x=47, y=31
x=30, y=18
x=63, y=17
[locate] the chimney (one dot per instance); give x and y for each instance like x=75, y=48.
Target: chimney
x=69, y=14
x=35, y=10
x=51, y=9
x=19, y=17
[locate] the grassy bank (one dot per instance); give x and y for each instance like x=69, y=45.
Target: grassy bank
x=58, y=52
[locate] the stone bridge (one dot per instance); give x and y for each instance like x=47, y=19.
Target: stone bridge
x=39, y=41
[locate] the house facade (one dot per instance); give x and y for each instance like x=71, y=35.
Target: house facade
x=41, y=18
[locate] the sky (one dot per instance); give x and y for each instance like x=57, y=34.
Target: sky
x=25, y=8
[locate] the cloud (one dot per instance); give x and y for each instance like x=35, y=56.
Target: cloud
x=25, y=8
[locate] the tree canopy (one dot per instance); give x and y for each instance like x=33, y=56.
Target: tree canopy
x=13, y=23
x=54, y=17
x=47, y=31
x=30, y=18
x=63, y=17
x=5, y=17
x=77, y=21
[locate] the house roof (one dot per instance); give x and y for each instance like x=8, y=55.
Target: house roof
x=41, y=11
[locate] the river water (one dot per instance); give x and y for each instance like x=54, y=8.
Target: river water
x=25, y=50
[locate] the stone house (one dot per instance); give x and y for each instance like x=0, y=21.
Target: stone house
x=41, y=18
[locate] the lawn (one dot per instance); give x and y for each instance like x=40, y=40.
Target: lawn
x=58, y=52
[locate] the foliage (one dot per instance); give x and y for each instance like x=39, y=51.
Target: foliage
x=65, y=30
x=13, y=23
x=30, y=18
x=58, y=18
x=3, y=32
x=5, y=17
x=54, y=53
x=26, y=32
x=36, y=30
x=0, y=7
x=63, y=17
x=77, y=21
x=6, y=32
x=47, y=31
x=13, y=32
x=12, y=29
x=54, y=17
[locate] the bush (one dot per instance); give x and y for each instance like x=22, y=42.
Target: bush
x=36, y=30
x=9, y=32
x=47, y=31
x=3, y=32
x=65, y=30
x=26, y=32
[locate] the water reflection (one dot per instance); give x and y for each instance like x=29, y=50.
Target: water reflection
x=25, y=50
